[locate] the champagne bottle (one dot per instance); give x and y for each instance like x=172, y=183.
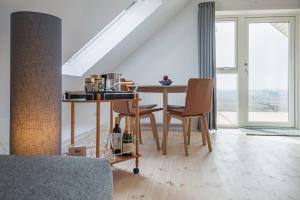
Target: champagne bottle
x=127, y=140
x=117, y=138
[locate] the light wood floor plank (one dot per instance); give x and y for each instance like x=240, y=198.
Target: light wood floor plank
x=239, y=168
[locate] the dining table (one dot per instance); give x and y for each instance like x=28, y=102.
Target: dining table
x=164, y=90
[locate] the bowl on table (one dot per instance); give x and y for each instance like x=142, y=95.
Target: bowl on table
x=166, y=82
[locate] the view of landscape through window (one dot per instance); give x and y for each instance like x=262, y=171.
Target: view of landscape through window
x=268, y=64
x=268, y=72
x=227, y=102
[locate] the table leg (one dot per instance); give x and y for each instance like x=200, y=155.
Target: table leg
x=98, y=139
x=72, y=123
x=165, y=122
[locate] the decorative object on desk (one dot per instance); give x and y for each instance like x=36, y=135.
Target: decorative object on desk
x=116, y=138
x=79, y=150
x=89, y=85
x=166, y=80
x=112, y=81
x=35, y=107
x=127, y=140
x=98, y=84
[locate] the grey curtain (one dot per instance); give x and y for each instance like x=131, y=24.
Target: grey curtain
x=207, y=51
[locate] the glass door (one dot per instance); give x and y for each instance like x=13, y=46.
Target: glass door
x=268, y=72
x=227, y=72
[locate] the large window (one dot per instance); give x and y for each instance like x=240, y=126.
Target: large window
x=226, y=44
x=268, y=95
x=255, y=71
x=227, y=104
x=226, y=62
x=268, y=78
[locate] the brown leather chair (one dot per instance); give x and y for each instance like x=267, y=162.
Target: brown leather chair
x=126, y=109
x=197, y=104
x=125, y=86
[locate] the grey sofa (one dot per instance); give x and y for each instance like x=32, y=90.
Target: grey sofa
x=54, y=177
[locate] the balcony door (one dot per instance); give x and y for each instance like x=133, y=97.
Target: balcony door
x=267, y=96
x=255, y=71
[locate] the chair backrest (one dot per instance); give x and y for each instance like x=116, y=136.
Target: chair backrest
x=198, y=97
x=123, y=107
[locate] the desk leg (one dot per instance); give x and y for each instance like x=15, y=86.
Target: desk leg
x=137, y=130
x=111, y=117
x=72, y=123
x=165, y=122
x=98, y=139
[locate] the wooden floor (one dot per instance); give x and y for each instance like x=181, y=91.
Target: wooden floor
x=240, y=167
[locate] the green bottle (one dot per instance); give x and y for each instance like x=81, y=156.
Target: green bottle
x=127, y=140
x=116, y=138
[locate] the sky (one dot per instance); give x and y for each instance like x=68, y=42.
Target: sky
x=268, y=56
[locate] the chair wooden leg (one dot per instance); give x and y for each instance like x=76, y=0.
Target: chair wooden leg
x=154, y=130
x=202, y=133
x=168, y=128
x=205, y=129
x=189, y=130
x=185, y=130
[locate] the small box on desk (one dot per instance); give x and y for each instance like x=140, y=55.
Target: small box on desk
x=79, y=150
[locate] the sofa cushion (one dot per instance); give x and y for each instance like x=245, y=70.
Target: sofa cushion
x=54, y=177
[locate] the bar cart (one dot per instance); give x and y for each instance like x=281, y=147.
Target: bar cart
x=117, y=158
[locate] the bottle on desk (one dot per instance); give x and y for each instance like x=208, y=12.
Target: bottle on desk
x=116, y=138
x=127, y=140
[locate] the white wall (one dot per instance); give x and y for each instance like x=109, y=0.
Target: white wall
x=172, y=51
x=139, y=36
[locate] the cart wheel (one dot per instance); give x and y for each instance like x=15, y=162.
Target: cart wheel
x=136, y=170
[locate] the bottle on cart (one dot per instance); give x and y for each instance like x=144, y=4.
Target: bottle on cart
x=116, y=138
x=127, y=140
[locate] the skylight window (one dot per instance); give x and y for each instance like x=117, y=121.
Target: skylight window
x=109, y=37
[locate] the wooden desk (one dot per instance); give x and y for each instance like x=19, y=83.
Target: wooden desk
x=164, y=90
x=98, y=128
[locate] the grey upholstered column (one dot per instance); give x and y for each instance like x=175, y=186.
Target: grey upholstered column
x=35, y=102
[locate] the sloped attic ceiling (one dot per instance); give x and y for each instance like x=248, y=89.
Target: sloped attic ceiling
x=139, y=36
x=81, y=19
x=110, y=36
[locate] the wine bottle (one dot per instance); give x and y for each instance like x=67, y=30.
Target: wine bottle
x=116, y=138
x=127, y=140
